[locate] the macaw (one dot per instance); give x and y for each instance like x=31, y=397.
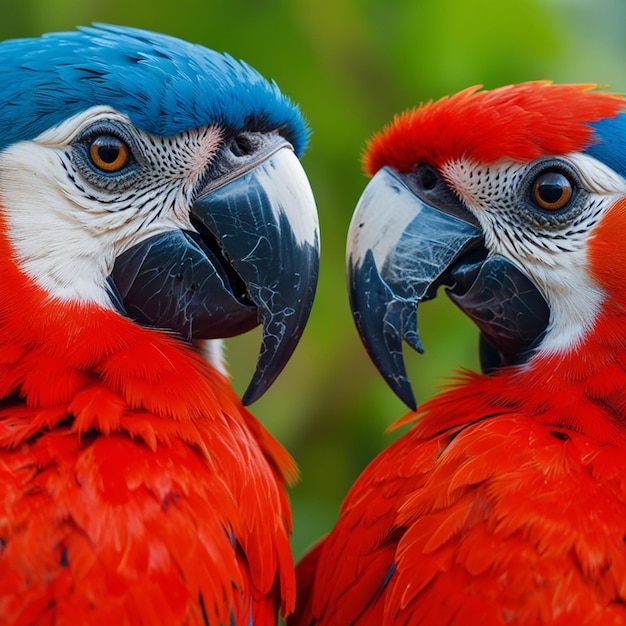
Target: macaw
x=151, y=203
x=505, y=501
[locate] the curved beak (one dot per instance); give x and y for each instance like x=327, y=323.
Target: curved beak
x=252, y=259
x=267, y=223
x=403, y=243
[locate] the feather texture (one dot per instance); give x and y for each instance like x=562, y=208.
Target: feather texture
x=163, y=84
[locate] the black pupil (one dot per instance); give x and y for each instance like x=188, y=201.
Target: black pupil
x=108, y=149
x=551, y=187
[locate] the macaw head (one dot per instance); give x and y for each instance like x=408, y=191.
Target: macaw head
x=515, y=199
x=158, y=179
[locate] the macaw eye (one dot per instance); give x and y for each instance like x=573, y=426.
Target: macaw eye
x=109, y=153
x=551, y=190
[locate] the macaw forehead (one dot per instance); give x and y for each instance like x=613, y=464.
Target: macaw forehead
x=165, y=85
x=520, y=122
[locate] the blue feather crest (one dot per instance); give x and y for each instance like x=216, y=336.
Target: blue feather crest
x=165, y=85
x=610, y=139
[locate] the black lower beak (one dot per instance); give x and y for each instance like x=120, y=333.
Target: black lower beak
x=403, y=244
x=508, y=308
x=252, y=259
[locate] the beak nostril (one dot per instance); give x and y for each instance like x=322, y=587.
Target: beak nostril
x=242, y=145
x=427, y=176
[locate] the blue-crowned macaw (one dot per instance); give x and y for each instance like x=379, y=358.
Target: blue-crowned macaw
x=505, y=503
x=151, y=203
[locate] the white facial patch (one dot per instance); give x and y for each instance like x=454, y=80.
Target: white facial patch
x=67, y=231
x=551, y=248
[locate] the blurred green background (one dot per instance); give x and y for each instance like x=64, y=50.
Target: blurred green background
x=352, y=65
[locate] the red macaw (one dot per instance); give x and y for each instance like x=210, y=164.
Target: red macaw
x=505, y=503
x=150, y=199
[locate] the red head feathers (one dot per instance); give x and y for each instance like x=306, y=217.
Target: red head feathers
x=490, y=125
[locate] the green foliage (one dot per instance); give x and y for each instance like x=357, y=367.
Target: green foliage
x=352, y=65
